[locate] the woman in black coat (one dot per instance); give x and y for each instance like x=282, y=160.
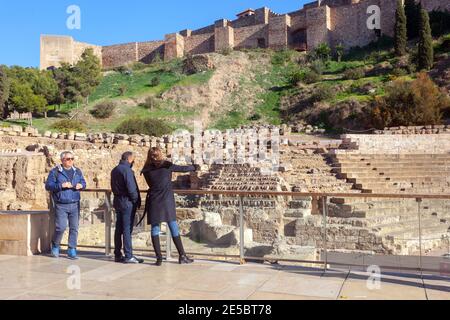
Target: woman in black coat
x=160, y=202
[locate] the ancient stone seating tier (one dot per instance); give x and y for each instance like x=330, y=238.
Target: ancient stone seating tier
x=395, y=220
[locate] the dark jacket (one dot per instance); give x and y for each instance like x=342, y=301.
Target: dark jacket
x=124, y=185
x=57, y=177
x=160, y=202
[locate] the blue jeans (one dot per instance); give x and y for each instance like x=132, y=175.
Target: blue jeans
x=66, y=213
x=125, y=215
x=173, y=226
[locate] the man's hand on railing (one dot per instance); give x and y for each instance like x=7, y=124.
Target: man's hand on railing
x=79, y=186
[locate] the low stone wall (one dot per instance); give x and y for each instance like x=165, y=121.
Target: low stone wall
x=431, y=129
x=24, y=234
x=398, y=144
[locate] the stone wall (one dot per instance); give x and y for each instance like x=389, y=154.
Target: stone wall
x=433, y=129
x=318, y=21
x=351, y=31
x=248, y=37
x=334, y=22
x=22, y=181
x=119, y=55
x=174, y=46
x=223, y=38
x=279, y=31
x=398, y=144
x=148, y=51
x=198, y=44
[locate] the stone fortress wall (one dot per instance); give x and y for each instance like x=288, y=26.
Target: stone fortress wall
x=331, y=21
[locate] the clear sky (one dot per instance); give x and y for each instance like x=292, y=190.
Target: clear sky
x=111, y=22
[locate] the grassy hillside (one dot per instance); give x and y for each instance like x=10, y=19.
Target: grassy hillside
x=261, y=89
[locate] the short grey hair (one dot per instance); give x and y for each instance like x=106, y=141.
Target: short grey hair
x=65, y=153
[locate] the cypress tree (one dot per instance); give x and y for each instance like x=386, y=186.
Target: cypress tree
x=400, y=30
x=425, y=49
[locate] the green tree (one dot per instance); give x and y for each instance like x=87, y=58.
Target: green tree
x=23, y=99
x=425, y=54
x=400, y=30
x=412, y=11
x=4, y=91
x=323, y=52
x=88, y=71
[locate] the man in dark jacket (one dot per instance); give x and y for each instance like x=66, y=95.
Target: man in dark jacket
x=127, y=200
x=65, y=183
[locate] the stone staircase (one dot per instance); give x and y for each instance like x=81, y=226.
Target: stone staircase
x=396, y=221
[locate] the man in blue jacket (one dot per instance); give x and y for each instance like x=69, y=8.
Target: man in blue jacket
x=127, y=200
x=65, y=183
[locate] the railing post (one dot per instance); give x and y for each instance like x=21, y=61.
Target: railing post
x=419, y=201
x=51, y=222
x=241, y=232
x=324, y=231
x=108, y=219
x=168, y=243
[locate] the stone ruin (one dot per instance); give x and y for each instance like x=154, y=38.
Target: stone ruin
x=289, y=227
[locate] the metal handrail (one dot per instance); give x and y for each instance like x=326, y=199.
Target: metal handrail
x=324, y=196
x=298, y=194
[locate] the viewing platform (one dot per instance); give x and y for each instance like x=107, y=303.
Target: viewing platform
x=46, y=278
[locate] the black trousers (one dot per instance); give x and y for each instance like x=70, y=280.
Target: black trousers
x=125, y=216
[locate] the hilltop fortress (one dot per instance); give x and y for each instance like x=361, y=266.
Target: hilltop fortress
x=349, y=22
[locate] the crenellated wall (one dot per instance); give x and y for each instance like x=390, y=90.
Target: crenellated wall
x=333, y=22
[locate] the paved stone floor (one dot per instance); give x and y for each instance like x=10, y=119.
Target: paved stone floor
x=42, y=277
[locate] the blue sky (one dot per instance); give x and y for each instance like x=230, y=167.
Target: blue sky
x=111, y=22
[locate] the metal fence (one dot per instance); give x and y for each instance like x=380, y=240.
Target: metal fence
x=321, y=198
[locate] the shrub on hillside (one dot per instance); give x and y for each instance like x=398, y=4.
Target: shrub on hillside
x=354, y=73
x=311, y=76
x=155, y=82
x=196, y=64
x=123, y=70
x=317, y=66
x=281, y=57
x=149, y=126
x=296, y=76
x=103, y=110
x=123, y=89
x=151, y=103
x=68, y=125
x=323, y=52
x=323, y=92
x=136, y=66
x=419, y=102
x=226, y=51
x=255, y=117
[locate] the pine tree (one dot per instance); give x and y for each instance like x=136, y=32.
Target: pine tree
x=425, y=48
x=412, y=11
x=400, y=30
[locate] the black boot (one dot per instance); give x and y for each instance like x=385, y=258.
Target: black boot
x=157, y=247
x=183, y=258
